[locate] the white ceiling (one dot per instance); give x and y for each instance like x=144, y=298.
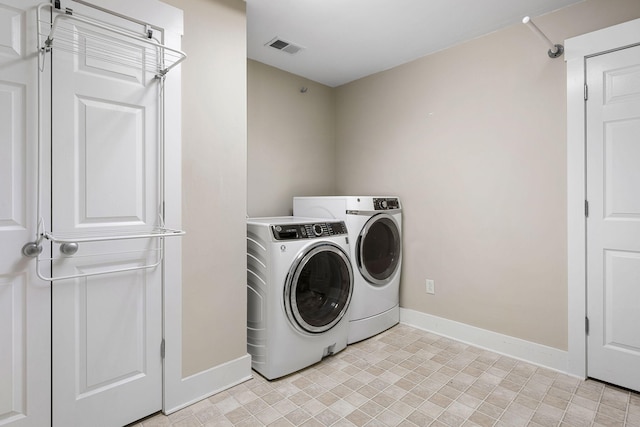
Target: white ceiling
x=345, y=40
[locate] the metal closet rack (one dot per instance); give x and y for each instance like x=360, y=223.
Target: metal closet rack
x=107, y=45
x=111, y=44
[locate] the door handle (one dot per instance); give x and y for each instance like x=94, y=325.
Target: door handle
x=32, y=249
x=69, y=248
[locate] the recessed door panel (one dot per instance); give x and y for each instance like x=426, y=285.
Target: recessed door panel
x=111, y=167
x=622, y=174
x=112, y=325
x=13, y=366
x=12, y=35
x=622, y=85
x=111, y=314
x=621, y=296
x=12, y=160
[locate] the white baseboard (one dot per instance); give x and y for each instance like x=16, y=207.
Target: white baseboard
x=516, y=348
x=207, y=383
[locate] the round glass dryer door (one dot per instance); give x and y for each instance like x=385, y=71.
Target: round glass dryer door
x=378, y=249
x=319, y=288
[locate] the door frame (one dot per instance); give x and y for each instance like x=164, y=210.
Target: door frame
x=577, y=50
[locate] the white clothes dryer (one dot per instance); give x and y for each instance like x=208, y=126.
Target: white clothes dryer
x=375, y=235
x=299, y=291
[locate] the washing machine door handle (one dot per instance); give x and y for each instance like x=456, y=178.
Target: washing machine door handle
x=379, y=249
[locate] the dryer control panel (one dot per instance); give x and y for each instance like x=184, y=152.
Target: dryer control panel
x=383, y=204
x=308, y=231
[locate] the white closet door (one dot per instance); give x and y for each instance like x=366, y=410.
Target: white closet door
x=107, y=329
x=613, y=226
x=24, y=299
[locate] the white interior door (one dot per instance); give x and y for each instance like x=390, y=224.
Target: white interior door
x=24, y=299
x=107, y=328
x=613, y=225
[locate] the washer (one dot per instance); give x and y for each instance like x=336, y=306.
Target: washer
x=375, y=234
x=299, y=289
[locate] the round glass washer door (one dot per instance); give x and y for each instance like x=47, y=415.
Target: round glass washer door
x=378, y=249
x=318, y=288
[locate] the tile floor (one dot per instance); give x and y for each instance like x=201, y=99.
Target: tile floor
x=409, y=377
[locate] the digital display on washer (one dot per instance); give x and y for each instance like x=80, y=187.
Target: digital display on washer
x=308, y=231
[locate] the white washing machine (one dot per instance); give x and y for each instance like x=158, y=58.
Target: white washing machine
x=299, y=290
x=375, y=235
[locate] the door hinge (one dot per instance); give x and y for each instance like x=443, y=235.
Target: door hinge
x=586, y=208
x=586, y=92
x=586, y=325
x=162, y=349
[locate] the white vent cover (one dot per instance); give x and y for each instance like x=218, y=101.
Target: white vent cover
x=284, y=46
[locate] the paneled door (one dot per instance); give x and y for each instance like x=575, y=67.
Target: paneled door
x=107, y=327
x=24, y=299
x=613, y=224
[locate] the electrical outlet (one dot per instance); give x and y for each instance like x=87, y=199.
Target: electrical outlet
x=431, y=286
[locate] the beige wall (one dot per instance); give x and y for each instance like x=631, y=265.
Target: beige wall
x=473, y=139
x=214, y=182
x=292, y=141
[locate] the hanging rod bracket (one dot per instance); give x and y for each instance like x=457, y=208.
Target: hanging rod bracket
x=559, y=50
x=555, y=50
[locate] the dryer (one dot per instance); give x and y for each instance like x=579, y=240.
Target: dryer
x=375, y=235
x=299, y=290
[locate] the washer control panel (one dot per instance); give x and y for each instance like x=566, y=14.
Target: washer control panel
x=383, y=204
x=308, y=231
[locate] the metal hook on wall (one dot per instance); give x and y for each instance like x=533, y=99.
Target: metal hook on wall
x=555, y=50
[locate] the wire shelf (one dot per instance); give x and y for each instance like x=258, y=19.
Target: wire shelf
x=100, y=41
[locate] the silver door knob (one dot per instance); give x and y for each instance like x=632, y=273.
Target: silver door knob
x=69, y=248
x=31, y=249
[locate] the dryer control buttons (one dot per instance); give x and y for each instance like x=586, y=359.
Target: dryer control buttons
x=337, y=228
x=383, y=204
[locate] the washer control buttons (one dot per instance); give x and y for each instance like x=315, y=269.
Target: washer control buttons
x=309, y=230
x=383, y=204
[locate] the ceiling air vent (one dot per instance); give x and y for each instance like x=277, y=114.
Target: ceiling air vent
x=284, y=46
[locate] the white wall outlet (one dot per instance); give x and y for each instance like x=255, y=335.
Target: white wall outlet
x=431, y=286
